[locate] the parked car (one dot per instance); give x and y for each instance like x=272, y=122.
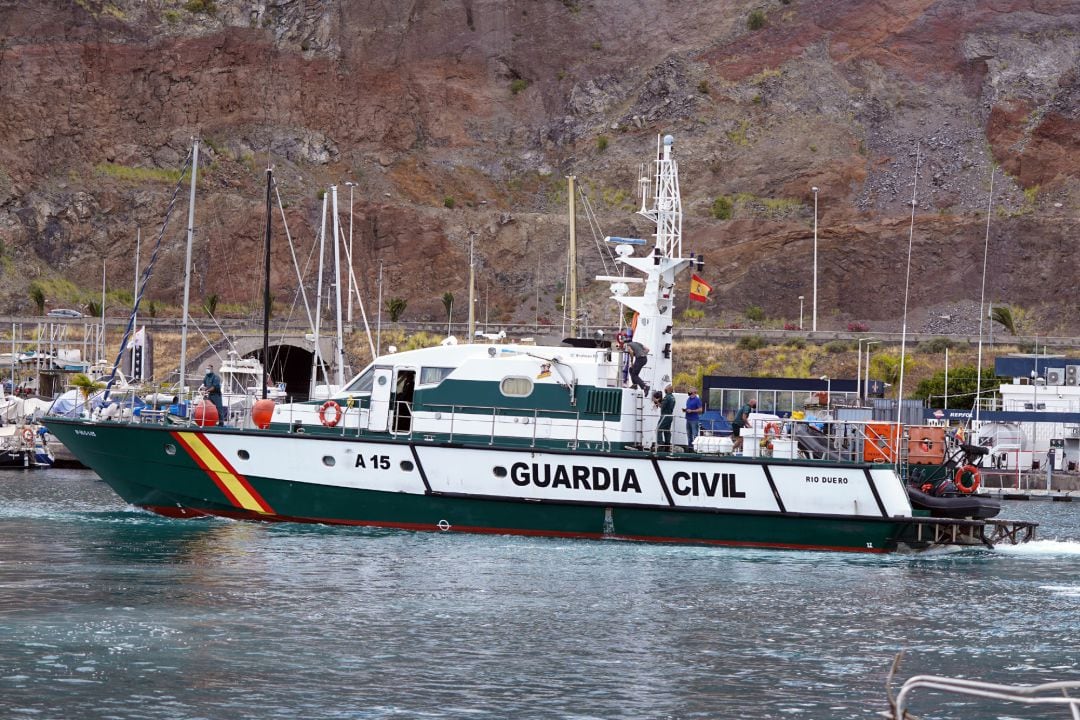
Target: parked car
x=65, y=312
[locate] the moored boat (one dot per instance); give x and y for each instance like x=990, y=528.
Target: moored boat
x=531, y=440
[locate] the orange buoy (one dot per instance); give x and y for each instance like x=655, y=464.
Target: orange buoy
x=262, y=412
x=206, y=414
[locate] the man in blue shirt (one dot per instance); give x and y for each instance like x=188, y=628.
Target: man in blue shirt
x=211, y=385
x=693, y=410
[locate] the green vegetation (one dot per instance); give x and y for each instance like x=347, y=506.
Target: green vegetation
x=837, y=346
x=128, y=173
x=597, y=46
x=448, y=202
x=693, y=315
x=448, y=304
x=722, y=207
x=211, y=303
x=205, y=7
x=396, y=307
x=751, y=342
x=962, y=383
x=756, y=20
x=937, y=346
x=739, y=134
x=703, y=87
x=93, y=308
x=86, y=387
x=517, y=85
x=755, y=313
x=601, y=143
x=37, y=296
x=1003, y=314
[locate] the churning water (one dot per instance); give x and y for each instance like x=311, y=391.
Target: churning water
x=110, y=612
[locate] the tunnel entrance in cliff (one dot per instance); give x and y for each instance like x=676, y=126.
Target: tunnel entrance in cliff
x=290, y=365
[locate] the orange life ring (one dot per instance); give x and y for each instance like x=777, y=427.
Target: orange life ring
x=337, y=415
x=927, y=444
x=967, y=479
x=28, y=436
x=772, y=428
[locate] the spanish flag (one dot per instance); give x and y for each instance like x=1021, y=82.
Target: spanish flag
x=699, y=289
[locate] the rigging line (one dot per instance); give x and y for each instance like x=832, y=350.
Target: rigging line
x=223, y=333
x=597, y=232
x=907, y=286
x=982, y=295
x=292, y=253
x=207, y=339
x=146, y=275
x=360, y=300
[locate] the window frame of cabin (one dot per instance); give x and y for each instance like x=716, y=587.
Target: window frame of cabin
x=425, y=379
x=516, y=378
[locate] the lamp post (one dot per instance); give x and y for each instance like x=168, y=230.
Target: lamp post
x=813, y=323
x=858, y=369
x=1034, y=408
x=866, y=383
x=828, y=392
x=800, y=311
x=352, y=288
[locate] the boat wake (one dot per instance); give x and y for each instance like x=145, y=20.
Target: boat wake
x=1042, y=548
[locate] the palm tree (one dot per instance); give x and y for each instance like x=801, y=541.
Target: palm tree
x=448, y=303
x=1003, y=314
x=396, y=306
x=86, y=387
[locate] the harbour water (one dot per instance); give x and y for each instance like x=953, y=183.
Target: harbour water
x=110, y=612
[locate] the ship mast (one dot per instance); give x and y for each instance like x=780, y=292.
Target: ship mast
x=655, y=305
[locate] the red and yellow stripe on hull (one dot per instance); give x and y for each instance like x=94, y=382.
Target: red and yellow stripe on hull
x=231, y=483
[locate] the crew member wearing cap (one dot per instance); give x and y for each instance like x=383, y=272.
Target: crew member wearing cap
x=211, y=385
x=693, y=410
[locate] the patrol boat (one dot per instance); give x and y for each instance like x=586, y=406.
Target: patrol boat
x=521, y=439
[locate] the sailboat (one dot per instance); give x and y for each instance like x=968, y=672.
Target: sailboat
x=529, y=440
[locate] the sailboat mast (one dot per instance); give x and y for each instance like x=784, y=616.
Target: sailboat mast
x=472, y=289
x=135, y=297
x=339, y=356
x=316, y=358
x=187, y=264
x=572, y=211
x=266, y=284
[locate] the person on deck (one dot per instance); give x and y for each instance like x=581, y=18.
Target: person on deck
x=211, y=385
x=741, y=421
x=693, y=410
x=667, y=413
x=640, y=353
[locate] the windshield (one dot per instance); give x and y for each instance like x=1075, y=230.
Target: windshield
x=363, y=383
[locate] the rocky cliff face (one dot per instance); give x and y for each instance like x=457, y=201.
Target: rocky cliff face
x=463, y=117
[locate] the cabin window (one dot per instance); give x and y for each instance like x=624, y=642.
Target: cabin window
x=516, y=386
x=362, y=384
x=434, y=375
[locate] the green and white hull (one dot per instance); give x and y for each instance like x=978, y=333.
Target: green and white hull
x=181, y=471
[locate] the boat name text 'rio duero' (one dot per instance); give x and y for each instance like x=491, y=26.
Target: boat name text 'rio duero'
x=576, y=477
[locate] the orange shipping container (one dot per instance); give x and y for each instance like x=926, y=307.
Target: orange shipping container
x=926, y=445
x=881, y=442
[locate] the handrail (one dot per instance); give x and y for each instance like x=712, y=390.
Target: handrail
x=1025, y=694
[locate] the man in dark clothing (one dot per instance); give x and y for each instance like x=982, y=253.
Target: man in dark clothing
x=742, y=420
x=640, y=353
x=211, y=384
x=667, y=413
